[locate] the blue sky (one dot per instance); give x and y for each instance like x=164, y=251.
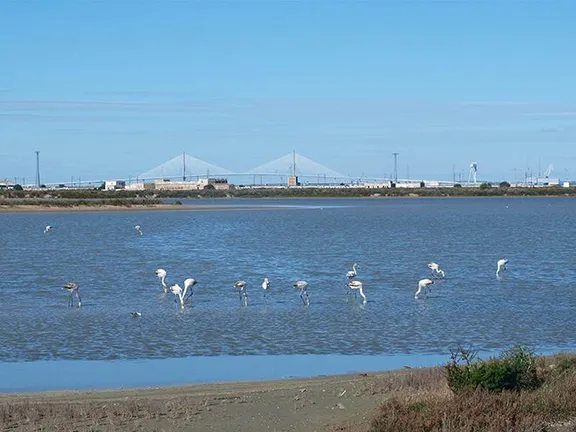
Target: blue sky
x=107, y=89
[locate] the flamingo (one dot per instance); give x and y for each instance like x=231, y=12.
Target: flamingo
x=137, y=228
x=436, y=271
x=265, y=286
x=72, y=288
x=423, y=285
x=47, y=229
x=357, y=285
x=177, y=290
x=501, y=266
x=241, y=286
x=161, y=273
x=302, y=286
x=352, y=273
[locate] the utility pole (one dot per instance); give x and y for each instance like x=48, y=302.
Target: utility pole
x=37, y=169
x=184, y=166
x=395, y=166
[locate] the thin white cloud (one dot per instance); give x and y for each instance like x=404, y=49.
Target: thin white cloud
x=562, y=114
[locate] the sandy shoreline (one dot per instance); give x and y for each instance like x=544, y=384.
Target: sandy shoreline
x=343, y=402
x=112, y=208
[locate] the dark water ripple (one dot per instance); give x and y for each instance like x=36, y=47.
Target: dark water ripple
x=315, y=240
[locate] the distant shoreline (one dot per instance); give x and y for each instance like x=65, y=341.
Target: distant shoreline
x=57, y=206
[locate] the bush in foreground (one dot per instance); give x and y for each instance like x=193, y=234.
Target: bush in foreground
x=550, y=407
x=515, y=369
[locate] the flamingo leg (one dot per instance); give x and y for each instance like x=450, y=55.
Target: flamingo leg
x=307, y=302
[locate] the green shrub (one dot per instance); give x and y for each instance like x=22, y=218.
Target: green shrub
x=485, y=185
x=515, y=369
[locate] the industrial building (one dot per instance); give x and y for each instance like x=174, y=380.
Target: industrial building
x=200, y=184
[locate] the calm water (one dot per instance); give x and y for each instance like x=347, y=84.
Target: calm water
x=314, y=240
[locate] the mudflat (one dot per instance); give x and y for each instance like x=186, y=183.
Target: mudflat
x=345, y=402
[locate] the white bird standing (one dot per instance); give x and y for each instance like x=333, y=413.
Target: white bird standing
x=501, y=266
x=265, y=286
x=177, y=290
x=357, y=285
x=422, y=286
x=436, y=271
x=161, y=273
x=353, y=273
x=47, y=229
x=303, y=287
x=72, y=288
x=137, y=228
x=241, y=286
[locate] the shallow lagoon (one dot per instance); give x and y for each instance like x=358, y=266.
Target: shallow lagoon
x=315, y=240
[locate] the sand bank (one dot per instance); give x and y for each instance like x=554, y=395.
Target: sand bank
x=345, y=402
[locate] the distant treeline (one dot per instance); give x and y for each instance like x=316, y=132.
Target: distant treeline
x=125, y=197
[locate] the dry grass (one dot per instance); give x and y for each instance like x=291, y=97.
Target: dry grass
x=425, y=405
x=96, y=416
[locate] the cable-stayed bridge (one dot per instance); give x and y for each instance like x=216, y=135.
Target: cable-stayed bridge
x=186, y=167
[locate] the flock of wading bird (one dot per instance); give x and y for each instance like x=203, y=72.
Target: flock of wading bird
x=356, y=286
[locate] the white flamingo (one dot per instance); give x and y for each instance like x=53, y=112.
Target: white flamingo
x=501, y=266
x=161, y=273
x=137, y=228
x=423, y=285
x=353, y=273
x=303, y=287
x=357, y=285
x=177, y=290
x=436, y=271
x=241, y=286
x=47, y=229
x=265, y=286
x=72, y=288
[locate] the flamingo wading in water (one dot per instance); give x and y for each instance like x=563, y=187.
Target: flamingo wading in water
x=353, y=273
x=357, y=285
x=137, y=228
x=265, y=286
x=47, y=229
x=72, y=288
x=177, y=290
x=436, y=271
x=501, y=266
x=161, y=273
x=303, y=287
x=241, y=286
x=423, y=285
